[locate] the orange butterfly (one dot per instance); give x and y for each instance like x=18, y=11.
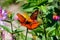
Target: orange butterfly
x=31, y=22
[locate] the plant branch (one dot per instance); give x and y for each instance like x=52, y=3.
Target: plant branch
x=26, y=34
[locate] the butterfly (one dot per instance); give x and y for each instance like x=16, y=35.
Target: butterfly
x=29, y=22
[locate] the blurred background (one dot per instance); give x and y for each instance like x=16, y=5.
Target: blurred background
x=49, y=17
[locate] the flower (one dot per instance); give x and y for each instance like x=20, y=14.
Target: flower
x=9, y=14
x=3, y=14
x=4, y=35
x=56, y=17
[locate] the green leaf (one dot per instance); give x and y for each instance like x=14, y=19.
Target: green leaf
x=7, y=21
x=18, y=31
x=50, y=0
x=22, y=36
x=19, y=1
x=50, y=31
x=34, y=3
x=6, y=28
x=29, y=9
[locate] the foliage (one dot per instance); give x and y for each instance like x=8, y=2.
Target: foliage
x=6, y=28
x=48, y=30
x=6, y=2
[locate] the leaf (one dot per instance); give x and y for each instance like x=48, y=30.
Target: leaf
x=29, y=9
x=22, y=36
x=38, y=30
x=18, y=31
x=44, y=9
x=19, y=0
x=43, y=37
x=6, y=28
x=34, y=3
x=50, y=31
x=50, y=0
x=7, y=21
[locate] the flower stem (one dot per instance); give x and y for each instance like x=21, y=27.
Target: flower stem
x=45, y=33
x=56, y=29
x=44, y=24
x=0, y=35
x=26, y=34
x=11, y=27
x=12, y=31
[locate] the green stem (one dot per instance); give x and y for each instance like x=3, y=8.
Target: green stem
x=45, y=33
x=26, y=34
x=44, y=28
x=0, y=35
x=56, y=29
x=12, y=32
x=11, y=27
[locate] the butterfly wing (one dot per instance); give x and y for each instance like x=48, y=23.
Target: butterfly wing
x=34, y=15
x=26, y=16
x=34, y=25
x=21, y=18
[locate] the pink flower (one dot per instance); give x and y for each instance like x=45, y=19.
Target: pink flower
x=59, y=17
x=3, y=14
x=6, y=35
x=55, y=17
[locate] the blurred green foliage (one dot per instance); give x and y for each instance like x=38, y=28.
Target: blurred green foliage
x=6, y=3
